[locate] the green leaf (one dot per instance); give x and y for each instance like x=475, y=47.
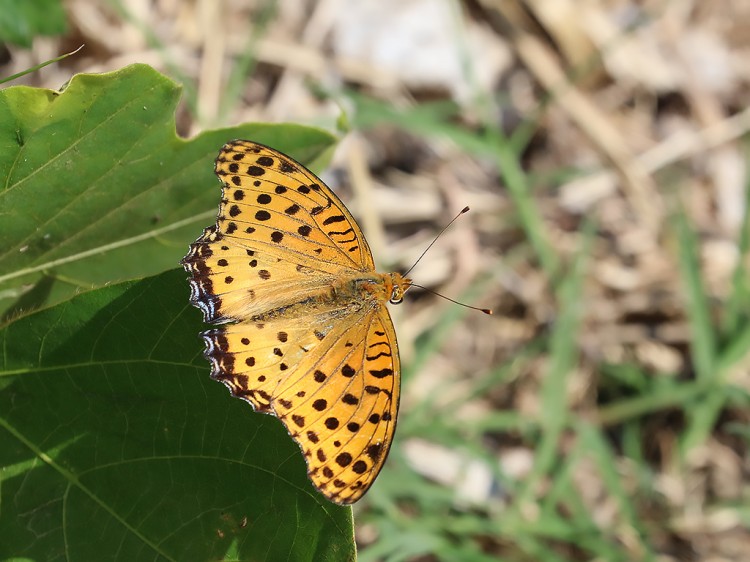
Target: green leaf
x=20, y=22
x=96, y=187
x=115, y=443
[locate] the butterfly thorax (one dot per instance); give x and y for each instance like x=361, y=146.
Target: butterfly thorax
x=380, y=287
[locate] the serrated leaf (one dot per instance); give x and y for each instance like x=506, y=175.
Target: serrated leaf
x=116, y=445
x=98, y=188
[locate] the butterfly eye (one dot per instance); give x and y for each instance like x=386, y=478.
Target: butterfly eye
x=397, y=296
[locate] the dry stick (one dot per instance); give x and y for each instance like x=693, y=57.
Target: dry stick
x=299, y=57
x=211, y=81
x=678, y=146
x=361, y=180
x=313, y=36
x=562, y=20
x=638, y=186
x=708, y=108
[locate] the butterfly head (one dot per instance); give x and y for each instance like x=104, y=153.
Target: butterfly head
x=398, y=286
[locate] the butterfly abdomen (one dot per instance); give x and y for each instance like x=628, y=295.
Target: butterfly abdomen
x=345, y=296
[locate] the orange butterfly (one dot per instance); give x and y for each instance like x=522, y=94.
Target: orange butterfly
x=307, y=336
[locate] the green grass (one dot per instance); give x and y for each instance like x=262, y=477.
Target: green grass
x=541, y=516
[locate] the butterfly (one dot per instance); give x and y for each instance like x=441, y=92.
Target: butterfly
x=304, y=331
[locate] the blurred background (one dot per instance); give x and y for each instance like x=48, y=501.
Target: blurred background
x=602, y=412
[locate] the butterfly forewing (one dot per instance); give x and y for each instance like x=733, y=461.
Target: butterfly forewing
x=274, y=201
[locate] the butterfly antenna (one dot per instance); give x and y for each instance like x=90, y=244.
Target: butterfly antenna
x=485, y=310
x=464, y=210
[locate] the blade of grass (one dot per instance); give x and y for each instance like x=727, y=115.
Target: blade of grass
x=246, y=62
x=674, y=396
x=427, y=408
x=593, y=443
x=38, y=66
x=565, y=513
x=518, y=186
x=736, y=349
x=563, y=353
x=152, y=39
x=702, y=413
x=703, y=349
x=737, y=304
x=501, y=375
x=536, y=549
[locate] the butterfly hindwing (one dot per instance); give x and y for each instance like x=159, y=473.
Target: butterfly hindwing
x=346, y=421
x=335, y=389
